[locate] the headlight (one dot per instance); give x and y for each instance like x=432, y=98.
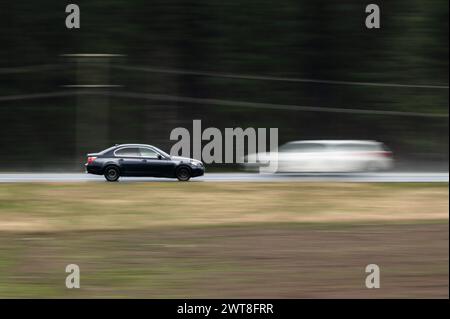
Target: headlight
x=196, y=163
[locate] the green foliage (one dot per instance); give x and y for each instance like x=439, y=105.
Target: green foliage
x=305, y=39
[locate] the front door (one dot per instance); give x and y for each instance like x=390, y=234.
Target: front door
x=153, y=164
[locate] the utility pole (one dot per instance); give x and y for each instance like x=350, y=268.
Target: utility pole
x=92, y=115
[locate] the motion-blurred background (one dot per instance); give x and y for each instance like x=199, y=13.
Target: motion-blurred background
x=163, y=60
x=137, y=69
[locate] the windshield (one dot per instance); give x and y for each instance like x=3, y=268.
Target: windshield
x=162, y=152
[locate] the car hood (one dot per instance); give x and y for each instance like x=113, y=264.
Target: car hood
x=182, y=159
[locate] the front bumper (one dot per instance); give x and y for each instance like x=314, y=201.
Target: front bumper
x=197, y=171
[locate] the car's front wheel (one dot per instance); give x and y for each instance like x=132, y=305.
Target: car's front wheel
x=183, y=174
x=112, y=174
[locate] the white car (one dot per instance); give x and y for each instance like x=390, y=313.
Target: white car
x=323, y=156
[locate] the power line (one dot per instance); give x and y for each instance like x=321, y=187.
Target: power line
x=29, y=68
x=275, y=78
x=37, y=95
x=92, y=55
x=95, y=86
x=174, y=98
x=45, y=67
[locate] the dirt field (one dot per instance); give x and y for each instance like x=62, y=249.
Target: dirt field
x=248, y=262
x=103, y=206
x=162, y=241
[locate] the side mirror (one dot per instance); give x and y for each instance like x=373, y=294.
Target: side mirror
x=160, y=157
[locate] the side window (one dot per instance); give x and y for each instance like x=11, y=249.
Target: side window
x=302, y=147
x=357, y=147
x=314, y=147
x=147, y=152
x=127, y=152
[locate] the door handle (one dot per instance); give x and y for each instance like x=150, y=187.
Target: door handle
x=144, y=161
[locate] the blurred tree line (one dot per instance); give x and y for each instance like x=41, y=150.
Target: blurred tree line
x=294, y=38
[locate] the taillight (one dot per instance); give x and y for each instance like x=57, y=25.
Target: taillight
x=91, y=159
x=386, y=154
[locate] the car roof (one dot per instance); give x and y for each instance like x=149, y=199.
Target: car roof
x=117, y=146
x=335, y=142
x=133, y=145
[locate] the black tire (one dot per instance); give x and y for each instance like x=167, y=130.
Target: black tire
x=183, y=174
x=112, y=174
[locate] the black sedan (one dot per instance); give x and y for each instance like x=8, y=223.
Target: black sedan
x=141, y=160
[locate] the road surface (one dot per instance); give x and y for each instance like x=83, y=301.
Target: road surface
x=389, y=177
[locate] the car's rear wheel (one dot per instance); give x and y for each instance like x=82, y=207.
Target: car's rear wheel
x=183, y=174
x=112, y=174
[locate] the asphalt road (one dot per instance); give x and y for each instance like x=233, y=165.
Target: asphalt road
x=388, y=177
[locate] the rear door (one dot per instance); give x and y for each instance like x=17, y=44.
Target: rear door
x=302, y=157
x=130, y=161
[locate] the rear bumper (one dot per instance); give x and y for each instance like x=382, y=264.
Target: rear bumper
x=90, y=169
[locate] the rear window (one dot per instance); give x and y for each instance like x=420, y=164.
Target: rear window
x=107, y=150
